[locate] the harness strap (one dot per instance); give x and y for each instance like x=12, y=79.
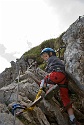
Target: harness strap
x=63, y=85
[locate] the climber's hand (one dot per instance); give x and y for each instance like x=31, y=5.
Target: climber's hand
x=48, y=80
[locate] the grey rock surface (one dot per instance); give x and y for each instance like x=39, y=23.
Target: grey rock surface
x=74, y=54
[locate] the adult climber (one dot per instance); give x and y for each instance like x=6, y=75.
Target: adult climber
x=56, y=75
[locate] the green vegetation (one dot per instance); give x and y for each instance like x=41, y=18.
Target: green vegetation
x=34, y=53
x=48, y=43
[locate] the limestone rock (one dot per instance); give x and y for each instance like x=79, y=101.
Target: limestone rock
x=74, y=54
x=8, y=119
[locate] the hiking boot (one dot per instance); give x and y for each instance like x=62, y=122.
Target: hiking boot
x=74, y=122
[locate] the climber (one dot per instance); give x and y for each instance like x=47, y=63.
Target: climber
x=56, y=75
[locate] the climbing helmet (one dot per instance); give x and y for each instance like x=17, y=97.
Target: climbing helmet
x=48, y=50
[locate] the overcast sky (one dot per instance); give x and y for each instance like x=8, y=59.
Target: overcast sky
x=26, y=23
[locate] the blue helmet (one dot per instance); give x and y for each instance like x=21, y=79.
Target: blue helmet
x=48, y=50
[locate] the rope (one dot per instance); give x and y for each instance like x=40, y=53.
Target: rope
x=16, y=97
x=18, y=86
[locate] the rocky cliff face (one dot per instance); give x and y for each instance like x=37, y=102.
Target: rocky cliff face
x=47, y=112
x=10, y=74
x=74, y=54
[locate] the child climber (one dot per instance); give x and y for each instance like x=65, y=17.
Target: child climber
x=56, y=70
